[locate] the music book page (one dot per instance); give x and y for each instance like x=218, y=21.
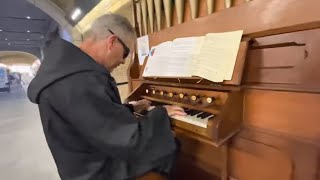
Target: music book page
x=232, y=43
x=211, y=57
x=217, y=56
x=172, y=58
x=182, y=55
x=158, y=57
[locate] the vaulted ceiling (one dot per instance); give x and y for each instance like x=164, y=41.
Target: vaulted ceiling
x=26, y=28
x=70, y=6
x=23, y=27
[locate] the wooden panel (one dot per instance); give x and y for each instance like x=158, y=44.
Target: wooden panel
x=201, y=151
x=281, y=57
x=187, y=169
x=275, y=16
x=318, y=170
x=256, y=161
x=285, y=75
x=296, y=114
x=302, y=154
x=136, y=83
x=200, y=159
x=287, y=61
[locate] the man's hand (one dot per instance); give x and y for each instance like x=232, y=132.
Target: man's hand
x=175, y=110
x=141, y=105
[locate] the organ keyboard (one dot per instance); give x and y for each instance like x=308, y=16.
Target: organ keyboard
x=213, y=114
x=195, y=117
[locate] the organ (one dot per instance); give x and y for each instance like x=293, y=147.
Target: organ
x=262, y=124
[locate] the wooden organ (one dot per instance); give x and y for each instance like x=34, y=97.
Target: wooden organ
x=264, y=123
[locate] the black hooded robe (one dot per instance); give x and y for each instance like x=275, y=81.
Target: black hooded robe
x=91, y=135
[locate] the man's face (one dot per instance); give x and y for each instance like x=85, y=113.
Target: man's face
x=118, y=51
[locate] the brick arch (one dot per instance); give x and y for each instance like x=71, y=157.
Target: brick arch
x=17, y=57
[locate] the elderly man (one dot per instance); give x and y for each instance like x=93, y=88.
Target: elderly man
x=91, y=135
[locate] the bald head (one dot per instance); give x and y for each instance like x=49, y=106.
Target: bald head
x=108, y=39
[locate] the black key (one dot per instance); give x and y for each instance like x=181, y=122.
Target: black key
x=199, y=115
x=212, y=117
x=194, y=112
x=189, y=111
x=205, y=114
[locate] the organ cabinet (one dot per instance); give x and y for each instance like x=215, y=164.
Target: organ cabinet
x=264, y=123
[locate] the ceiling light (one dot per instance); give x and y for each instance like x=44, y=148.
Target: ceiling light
x=28, y=31
x=28, y=17
x=0, y=30
x=9, y=44
x=75, y=14
x=6, y=39
x=28, y=39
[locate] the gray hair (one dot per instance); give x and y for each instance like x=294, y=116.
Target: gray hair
x=116, y=23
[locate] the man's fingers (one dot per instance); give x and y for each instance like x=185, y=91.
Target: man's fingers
x=145, y=101
x=179, y=113
x=177, y=108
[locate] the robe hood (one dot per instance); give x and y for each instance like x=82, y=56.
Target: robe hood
x=62, y=59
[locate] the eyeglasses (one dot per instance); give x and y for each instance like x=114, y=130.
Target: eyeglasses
x=126, y=50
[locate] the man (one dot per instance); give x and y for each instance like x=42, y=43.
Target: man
x=91, y=135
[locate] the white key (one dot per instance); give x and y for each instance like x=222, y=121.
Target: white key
x=193, y=120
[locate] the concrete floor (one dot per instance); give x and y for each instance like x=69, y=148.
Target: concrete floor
x=24, y=154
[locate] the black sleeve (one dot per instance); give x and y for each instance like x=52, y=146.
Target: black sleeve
x=87, y=105
x=130, y=107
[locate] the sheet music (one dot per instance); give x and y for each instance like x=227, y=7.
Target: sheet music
x=183, y=50
x=212, y=57
x=217, y=56
x=231, y=41
x=176, y=56
x=159, y=56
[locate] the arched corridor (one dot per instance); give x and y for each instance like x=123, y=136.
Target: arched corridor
x=24, y=151
x=25, y=30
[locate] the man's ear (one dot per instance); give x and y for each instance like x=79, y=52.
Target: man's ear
x=110, y=41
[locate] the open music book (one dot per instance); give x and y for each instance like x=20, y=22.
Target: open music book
x=212, y=57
